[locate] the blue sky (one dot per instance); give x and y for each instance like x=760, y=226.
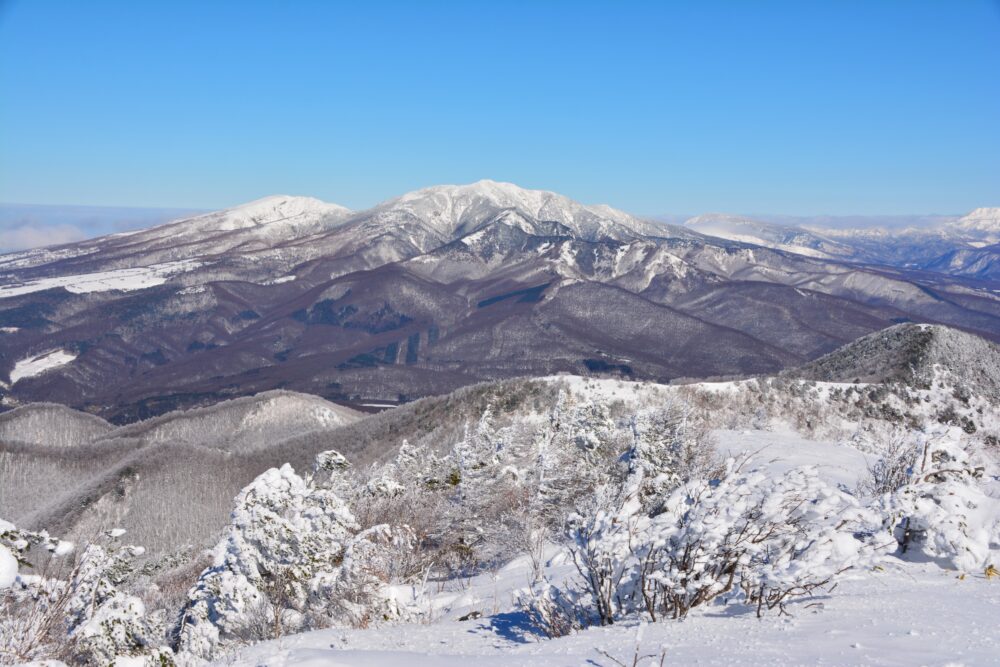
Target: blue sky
x=753, y=107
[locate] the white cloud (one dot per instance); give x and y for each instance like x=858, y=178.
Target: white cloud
x=24, y=237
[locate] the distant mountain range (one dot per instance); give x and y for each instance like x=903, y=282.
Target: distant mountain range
x=450, y=285
x=965, y=246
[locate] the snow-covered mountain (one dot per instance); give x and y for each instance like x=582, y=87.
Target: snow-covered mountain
x=440, y=288
x=955, y=246
x=168, y=479
x=781, y=237
x=455, y=211
x=982, y=222
x=918, y=355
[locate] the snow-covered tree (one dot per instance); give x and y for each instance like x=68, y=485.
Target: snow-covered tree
x=283, y=532
x=670, y=447
x=577, y=453
x=293, y=557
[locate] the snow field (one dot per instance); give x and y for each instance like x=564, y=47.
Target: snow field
x=39, y=364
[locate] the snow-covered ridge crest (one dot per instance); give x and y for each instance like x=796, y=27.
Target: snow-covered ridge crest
x=453, y=209
x=981, y=219
x=268, y=210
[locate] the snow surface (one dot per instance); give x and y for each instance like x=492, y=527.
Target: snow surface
x=913, y=614
x=8, y=568
x=39, y=364
x=125, y=280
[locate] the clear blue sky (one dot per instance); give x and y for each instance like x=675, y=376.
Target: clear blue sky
x=753, y=107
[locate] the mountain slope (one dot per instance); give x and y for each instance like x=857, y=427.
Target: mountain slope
x=51, y=424
x=916, y=355
x=428, y=292
x=170, y=479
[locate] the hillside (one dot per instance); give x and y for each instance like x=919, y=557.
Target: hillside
x=915, y=355
x=51, y=424
x=169, y=479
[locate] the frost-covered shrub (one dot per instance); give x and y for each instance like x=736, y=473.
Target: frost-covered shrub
x=81, y=614
x=32, y=607
x=894, y=454
x=292, y=558
x=283, y=532
x=359, y=592
x=555, y=611
x=943, y=513
x=606, y=538
x=766, y=539
x=773, y=538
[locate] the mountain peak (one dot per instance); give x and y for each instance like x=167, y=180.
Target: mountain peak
x=984, y=219
x=454, y=210
x=276, y=208
x=913, y=354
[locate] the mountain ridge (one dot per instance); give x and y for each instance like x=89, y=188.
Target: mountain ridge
x=427, y=292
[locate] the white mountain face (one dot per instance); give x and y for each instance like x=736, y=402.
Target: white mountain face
x=983, y=222
x=248, y=227
x=276, y=209
x=951, y=245
x=456, y=210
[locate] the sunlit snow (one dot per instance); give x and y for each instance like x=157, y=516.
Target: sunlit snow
x=37, y=365
x=137, y=278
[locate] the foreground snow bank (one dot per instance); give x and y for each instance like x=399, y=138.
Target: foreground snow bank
x=914, y=614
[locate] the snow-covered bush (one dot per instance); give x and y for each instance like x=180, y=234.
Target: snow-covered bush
x=773, y=538
x=292, y=558
x=895, y=452
x=745, y=533
x=32, y=607
x=604, y=541
x=358, y=592
x=555, y=611
x=283, y=532
x=81, y=614
x=943, y=511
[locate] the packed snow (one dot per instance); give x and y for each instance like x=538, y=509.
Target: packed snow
x=894, y=617
x=8, y=568
x=41, y=363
